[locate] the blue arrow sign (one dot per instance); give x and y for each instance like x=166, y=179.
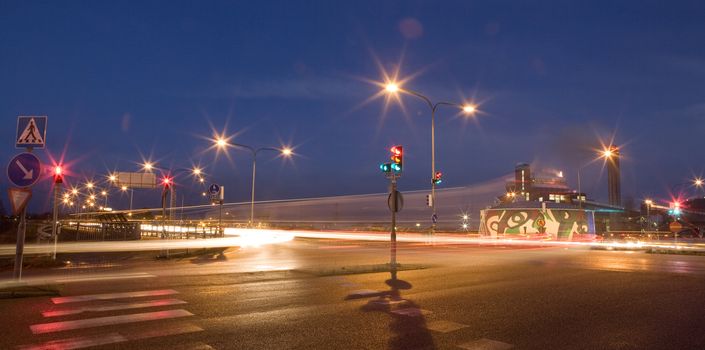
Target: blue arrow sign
x=214, y=189
x=24, y=170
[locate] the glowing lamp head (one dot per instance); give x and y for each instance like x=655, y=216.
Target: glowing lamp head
x=648, y=202
x=147, y=166
x=112, y=178
x=469, y=109
x=58, y=170
x=197, y=171
x=392, y=87
x=123, y=188
x=287, y=151
x=698, y=182
x=89, y=185
x=74, y=191
x=103, y=193
x=221, y=142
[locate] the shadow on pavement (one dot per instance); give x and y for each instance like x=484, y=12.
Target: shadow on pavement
x=408, y=324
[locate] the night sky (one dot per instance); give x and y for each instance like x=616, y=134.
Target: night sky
x=125, y=80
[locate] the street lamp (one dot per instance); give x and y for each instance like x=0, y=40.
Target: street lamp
x=124, y=188
x=468, y=109
x=606, y=154
x=285, y=151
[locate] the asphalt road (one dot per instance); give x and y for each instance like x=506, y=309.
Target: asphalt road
x=299, y=295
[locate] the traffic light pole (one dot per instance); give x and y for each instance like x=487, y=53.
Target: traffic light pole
x=433, y=169
x=55, y=218
x=393, y=238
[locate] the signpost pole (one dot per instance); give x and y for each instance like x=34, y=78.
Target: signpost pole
x=19, y=250
x=220, y=218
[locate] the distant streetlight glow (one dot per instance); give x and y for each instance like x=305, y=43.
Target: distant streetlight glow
x=148, y=166
x=287, y=151
x=89, y=185
x=123, y=188
x=104, y=193
x=197, y=171
x=607, y=153
x=698, y=182
x=74, y=191
x=112, y=178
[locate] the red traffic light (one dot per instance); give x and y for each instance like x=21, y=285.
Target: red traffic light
x=438, y=175
x=58, y=174
x=166, y=181
x=397, y=158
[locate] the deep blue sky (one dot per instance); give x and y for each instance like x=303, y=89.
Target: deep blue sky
x=119, y=79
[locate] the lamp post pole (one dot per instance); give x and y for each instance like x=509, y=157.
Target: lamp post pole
x=254, y=152
x=434, y=106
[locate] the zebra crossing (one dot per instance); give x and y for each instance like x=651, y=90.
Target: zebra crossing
x=91, y=314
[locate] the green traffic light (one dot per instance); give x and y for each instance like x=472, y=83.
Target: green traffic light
x=385, y=167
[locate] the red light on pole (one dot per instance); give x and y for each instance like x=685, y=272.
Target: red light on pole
x=58, y=174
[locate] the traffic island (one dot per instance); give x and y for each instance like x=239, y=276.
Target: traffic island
x=685, y=251
x=360, y=269
x=21, y=290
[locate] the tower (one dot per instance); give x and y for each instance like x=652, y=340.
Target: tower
x=614, y=189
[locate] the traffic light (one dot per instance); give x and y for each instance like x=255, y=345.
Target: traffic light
x=397, y=158
x=386, y=167
x=429, y=200
x=437, y=178
x=58, y=175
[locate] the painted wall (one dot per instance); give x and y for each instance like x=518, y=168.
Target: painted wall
x=561, y=224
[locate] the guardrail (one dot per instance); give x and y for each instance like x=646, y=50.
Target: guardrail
x=99, y=231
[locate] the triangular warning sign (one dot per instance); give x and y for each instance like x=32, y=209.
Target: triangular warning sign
x=19, y=197
x=31, y=134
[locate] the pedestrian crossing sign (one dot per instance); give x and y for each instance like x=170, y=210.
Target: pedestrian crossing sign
x=31, y=132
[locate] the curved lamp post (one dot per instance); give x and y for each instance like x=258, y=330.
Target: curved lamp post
x=468, y=109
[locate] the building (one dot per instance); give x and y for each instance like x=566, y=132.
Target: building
x=539, y=187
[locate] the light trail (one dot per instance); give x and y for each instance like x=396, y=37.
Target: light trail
x=249, y=237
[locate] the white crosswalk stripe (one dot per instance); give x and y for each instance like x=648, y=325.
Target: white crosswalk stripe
x=84, y=312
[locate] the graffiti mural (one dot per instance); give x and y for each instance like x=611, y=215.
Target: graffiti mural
x=553, y=223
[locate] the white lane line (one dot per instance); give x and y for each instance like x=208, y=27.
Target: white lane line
x=113, y=307
x=107, y=321
x=111, y=338
x=486, y=344
x=104, y=277
x=444, y=326
x=108, y=296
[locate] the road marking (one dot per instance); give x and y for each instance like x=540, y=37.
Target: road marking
x=122, y=306
x=411, y=312
x=108, y=296
x=486, y=344
x=111, y=338
x=76, y=343
x=445, y=326
x=107, y=321
x=105, y=277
